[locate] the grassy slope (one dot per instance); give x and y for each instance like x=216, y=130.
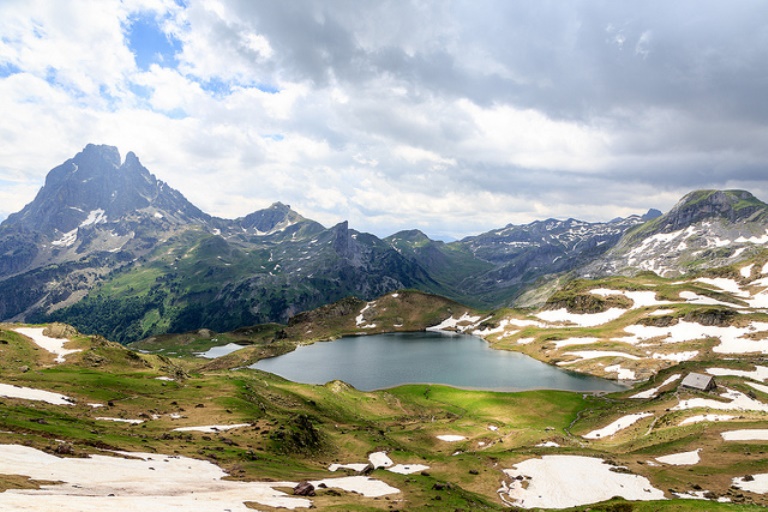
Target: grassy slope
x=341, y=424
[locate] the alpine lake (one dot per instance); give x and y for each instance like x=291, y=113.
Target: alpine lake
x=383, y=361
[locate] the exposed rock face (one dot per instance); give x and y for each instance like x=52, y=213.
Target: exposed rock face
x=278, y=216
x=94, y=188
x=733, y=205
x=706, y=229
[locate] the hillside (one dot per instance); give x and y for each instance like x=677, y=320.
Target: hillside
x=705, y=229
x=89, y=423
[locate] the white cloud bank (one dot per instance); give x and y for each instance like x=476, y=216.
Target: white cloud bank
x=465, y=119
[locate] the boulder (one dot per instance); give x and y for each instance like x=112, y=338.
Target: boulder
x=304, y=489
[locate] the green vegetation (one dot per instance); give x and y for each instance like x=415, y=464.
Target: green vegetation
x=296, y=430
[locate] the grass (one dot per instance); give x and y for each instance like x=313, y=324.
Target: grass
x=295, y=431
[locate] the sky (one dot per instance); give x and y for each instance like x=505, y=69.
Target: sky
x=453, y=117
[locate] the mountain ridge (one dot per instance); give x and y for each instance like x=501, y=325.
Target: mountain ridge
x=108, y=247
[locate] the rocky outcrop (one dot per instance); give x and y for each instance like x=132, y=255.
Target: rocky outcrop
x=706, y=229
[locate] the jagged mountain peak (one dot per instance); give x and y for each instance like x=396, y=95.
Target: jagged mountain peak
x=651, y=214
x=95, y=187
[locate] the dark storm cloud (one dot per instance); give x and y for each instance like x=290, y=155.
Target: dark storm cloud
x=567, y=58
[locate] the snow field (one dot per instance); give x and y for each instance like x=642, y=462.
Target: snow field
x=560, y=481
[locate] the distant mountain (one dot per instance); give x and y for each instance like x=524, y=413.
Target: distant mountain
x=110, y=249
x=705, y=229
x=492, y=269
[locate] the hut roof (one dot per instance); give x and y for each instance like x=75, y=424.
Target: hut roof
x=698, y=381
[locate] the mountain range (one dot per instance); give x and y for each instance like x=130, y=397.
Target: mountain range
x=109, y=248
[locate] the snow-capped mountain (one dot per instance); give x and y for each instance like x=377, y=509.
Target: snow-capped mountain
x=706, y=229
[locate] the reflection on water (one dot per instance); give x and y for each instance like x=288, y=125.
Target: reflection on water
x=386, y=360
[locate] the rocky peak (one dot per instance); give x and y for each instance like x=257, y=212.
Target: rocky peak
x=93, y=187
x=651, y=214
x=277, y=216
x=733, y=205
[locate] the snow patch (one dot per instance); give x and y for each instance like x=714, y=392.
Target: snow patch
x=408, y=469
x=649, y=393
x=759, y=373
x=581, y=320
x=622, y=373
x=380, y=460
x=759, y=387
x=211, y=428
x=640, y=299
x=706, y=417
x=754, y=434
x=38, y=395
x=616, y=426
x=94, y=217
x=576, y=341
x=757, y=484
x=450, y=323
x=449, y=438
x=594, y=354
x=561, y=481
x=67, y=239
x=681, y=459
x=736, y=401
x=148, y=481
x=360, y=319
x=119, y=420
x=52, y=345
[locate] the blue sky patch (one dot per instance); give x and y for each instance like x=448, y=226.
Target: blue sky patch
x=7, y=69
x=150, y=45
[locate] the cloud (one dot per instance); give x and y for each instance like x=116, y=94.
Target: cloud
x=455, y=117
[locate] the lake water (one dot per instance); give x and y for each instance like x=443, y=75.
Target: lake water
x=387, y=360
x=220, y=351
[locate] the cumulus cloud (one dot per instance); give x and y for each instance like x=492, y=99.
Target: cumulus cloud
x=454, y=117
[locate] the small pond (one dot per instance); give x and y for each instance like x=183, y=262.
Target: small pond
x=221, y=350
x=386, y=360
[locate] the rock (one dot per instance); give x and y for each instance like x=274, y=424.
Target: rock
x=64, y=449
x=304, y=489
x=59, y=330
x=367, y=470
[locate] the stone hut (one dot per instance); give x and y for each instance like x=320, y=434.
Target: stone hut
x=699, y=382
